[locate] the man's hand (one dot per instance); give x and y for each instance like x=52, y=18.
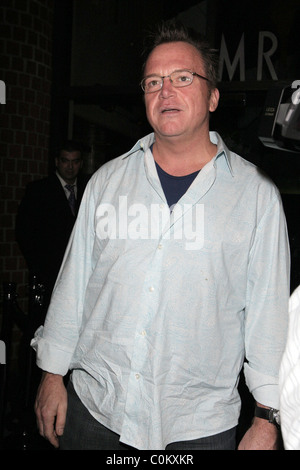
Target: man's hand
x=51, y=407
x=262, y=435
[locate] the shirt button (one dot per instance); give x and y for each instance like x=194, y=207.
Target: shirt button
x=143, y=333
x=137, y=376
x=151, y=289
x=160, y=246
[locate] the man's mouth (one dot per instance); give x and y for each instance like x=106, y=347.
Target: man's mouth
x=170, y=110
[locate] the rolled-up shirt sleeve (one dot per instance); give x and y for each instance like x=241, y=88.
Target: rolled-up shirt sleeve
x=266, y=314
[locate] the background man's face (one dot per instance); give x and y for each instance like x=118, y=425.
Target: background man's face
x=68, y=165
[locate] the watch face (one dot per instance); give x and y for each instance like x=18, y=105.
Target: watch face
x=276, y=416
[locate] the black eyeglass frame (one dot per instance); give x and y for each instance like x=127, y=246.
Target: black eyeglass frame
x=169, y=76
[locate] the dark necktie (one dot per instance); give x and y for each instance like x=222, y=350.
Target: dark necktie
x=71, y=199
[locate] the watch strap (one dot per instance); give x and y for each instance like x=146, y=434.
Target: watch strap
x=263, y=413
x=266, y=413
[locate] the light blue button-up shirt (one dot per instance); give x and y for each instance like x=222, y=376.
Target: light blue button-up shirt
x=155, y=311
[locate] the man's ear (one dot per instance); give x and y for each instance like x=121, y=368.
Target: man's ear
x=214, y=99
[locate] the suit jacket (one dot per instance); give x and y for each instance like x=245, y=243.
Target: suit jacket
x=43, y=227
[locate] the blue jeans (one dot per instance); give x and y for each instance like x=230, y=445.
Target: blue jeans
x=83, y=432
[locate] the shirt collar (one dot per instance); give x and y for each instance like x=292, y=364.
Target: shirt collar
x=63, y=182
x=222, y=151
x=142, y=144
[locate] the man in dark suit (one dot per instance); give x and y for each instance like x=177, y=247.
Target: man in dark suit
x=44, y=223
x=45, y=217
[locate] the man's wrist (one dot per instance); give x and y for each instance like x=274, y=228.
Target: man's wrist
x=269, y=414
x=51, y=376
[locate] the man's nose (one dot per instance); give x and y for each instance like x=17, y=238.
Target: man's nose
x=167, y=88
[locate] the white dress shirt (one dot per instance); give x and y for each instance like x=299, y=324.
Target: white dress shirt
x=155, y=311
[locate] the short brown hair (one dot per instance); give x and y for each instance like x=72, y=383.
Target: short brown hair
x=174, y=31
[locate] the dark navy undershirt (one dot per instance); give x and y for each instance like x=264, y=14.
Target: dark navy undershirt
x=174, y=186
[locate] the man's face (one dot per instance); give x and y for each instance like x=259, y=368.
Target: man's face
x=68, y=165
x=179, y=112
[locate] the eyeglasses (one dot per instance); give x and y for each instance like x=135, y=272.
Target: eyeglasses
x=178, y=78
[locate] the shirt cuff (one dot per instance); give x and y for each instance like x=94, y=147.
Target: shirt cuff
x=49, y=357
x=264, y=388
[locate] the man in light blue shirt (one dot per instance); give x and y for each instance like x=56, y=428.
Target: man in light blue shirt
x=176, y=274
